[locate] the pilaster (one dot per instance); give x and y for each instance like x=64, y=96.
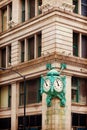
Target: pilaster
x=14, y=107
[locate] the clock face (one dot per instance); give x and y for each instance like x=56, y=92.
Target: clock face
x=58, y=85
x=46, y=85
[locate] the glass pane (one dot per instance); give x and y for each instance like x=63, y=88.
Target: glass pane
x=9, y=54
x=39, y=44
x=4, y=97
x=75, y=92
x=5, y=123
x=31, y=8
x=84, y=7
x=39, y=4
x=23, y=10
x=83, y=91
x=74, y=119
x=75, y=2
x=9, y=96
x=82, y=120
x=21, y=92
x=75, y=43
x=32, y=93
x=22, y=51
x=10, y=11
x=3, y=57
x=84, y=46
x=4, y=19
x=31, y=48
x=74, y=95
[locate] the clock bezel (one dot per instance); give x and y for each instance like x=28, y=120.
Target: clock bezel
x=57, y=87
x=44, y=85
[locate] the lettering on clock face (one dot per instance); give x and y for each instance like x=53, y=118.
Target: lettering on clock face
x=46, y=85
x=58, y=85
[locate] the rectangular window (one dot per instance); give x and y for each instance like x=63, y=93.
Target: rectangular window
x=22, y=50
x=5, y=96
x=32, y=91
x=75, y=89
x=31, y=48
x=21, y=90
x=75, y=43
x=79, y=121
x=23, y=10
x=9, y=96
x=31, y=8
x=10, y=12
x=33, y=122
x=3, y=57
x=79, y=90
x=75, y=2
x=5, y=123
x=9, y=54
x=39, y=4
x=84, y=46
x=4, y=19
x=84, y=7
x=39, y=44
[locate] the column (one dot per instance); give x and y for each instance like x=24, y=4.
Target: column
x=14, y=107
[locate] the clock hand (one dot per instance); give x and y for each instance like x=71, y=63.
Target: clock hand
x=46, y=83
x=57, y=83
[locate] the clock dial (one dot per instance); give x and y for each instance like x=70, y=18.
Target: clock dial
x=58, y=85
x=46, y=85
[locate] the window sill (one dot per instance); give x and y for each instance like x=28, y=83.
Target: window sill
x=78, y=104
x=5, y=109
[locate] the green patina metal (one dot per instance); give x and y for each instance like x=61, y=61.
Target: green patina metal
x=51, y=76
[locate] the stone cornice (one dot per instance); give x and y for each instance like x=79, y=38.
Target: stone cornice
x=55, y=57
x=72, y=17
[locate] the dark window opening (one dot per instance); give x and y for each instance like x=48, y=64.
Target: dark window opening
x=4, y=19
x=9, y=54
x=5, y=123
x=39, y=44
x=79, y=90
x=75, y=43
x=32, y=88
x=75, y=2
x=23, y=10
x=31, y=48
x=3, y=57
x=9, y=96
x=33, y=122
x=84, y=46
x=22, y=50
x=39, y=4
x=31, y=8
x=84, y=7
x=79, y=121
x=10, y=12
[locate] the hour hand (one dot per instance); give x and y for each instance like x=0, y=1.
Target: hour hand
x=57, y=83
x=46, y=83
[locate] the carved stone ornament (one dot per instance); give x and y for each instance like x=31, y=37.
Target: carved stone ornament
x=54, y=86
x=50, y=4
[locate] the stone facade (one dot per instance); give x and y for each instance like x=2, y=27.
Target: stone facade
x=56, y=24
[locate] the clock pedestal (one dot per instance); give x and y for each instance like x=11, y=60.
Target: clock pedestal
x=55, y=116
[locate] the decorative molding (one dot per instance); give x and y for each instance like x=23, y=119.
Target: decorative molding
x=55, y=4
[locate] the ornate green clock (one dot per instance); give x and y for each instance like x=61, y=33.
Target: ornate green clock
x=54, y=86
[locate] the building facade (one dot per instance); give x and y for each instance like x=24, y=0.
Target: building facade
x=33, y=35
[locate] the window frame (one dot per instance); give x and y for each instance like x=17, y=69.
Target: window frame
x=37, y=44
x=37, y=90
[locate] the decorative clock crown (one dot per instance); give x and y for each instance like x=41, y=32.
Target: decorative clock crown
x=53, y=72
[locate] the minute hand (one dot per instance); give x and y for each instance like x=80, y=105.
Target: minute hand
x=57, y=83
